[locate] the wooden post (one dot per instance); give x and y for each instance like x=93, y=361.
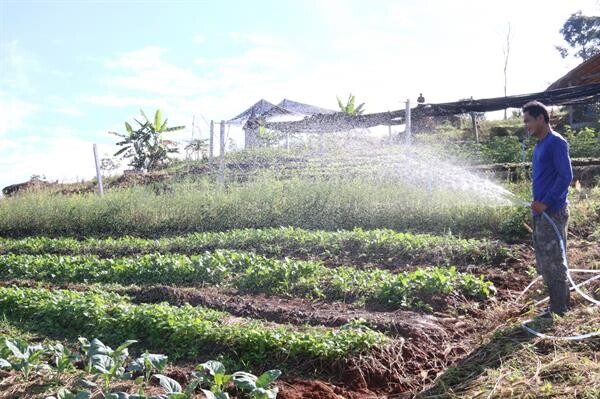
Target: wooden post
x=221, y=178
x=390, y=133
x=570, y=115
x=475, y=129
x=287, y=141
x=211, y=144
x=193, y=125
x=247, y=139
x=251, y=129
x=408, y=123
x=98, y=174
x=570, y=109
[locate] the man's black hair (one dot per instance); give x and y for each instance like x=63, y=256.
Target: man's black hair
x=535, y=109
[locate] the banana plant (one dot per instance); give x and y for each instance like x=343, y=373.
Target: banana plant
x=350, y=107
x=23, y=357
x=145, y=145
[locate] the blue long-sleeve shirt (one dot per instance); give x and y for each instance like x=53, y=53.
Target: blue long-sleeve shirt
x=552, y=172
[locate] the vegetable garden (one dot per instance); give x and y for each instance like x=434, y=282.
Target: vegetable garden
x=271, y=288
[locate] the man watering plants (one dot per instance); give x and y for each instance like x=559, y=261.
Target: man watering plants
x=552, y=174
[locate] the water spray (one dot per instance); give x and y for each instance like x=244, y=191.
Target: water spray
x=574, y=286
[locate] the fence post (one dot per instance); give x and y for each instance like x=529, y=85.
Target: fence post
x=98, y=174
x=287, y=141
x=408, y=123
x=211, y=144
x=475, y=128
x=221, y=179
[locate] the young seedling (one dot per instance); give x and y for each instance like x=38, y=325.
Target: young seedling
x=24, y=358
x=85, y=349
x=147, y=363
x=213, y=373
x=64, y=393
x=174, y=390
x=108, y=363
x=257, y=387
x=62, y=359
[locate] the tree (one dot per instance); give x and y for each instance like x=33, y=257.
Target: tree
x=582, y=34
x=350, y=108
x=145, y=145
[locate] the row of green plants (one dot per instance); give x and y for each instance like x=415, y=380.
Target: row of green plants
x=506, y=142
x=383, y=246
x=252, y=273
x=98, y=368
x=185, y=332
x=314, y=204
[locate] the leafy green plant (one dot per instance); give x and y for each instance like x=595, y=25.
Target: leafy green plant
x=183, y=332
x=257, y=387
x=251, y=273
x=62, y=359
x=350, y=107
x=381, y=246
x=109, y=363
x=64, y=393
x=213, y=374
x=24, y=357
x=174, y=390
x=147, y=363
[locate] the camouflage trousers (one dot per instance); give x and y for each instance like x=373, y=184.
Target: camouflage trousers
x=549, y=261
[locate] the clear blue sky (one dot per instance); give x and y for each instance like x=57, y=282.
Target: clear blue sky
x=70, y=71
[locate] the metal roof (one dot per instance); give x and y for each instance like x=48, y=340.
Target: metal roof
x=588, y=72
x=304, y=109
x=268, y=110
x=262, y=108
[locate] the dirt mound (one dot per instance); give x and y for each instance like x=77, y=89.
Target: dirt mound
x=290, y=310
x=31, y=185
x=315, y=389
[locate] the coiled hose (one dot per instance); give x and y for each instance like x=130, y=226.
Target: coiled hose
x=574, y=287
